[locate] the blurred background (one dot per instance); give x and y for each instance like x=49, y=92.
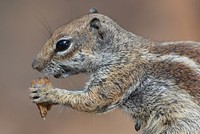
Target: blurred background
x=22, y=34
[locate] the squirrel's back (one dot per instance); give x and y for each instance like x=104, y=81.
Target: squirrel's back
x=167, y=98
x=179, y=61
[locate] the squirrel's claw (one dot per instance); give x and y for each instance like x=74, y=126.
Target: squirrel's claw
x=37, y=95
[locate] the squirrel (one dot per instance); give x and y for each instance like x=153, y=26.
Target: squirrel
x=158, y=83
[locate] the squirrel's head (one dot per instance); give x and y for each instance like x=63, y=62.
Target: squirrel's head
x=75, y=47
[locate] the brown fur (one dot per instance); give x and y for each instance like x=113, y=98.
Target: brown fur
x=188, y=49
x=184, y=77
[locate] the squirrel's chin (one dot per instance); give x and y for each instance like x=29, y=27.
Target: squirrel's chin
x=59, y=76
x=63, y=74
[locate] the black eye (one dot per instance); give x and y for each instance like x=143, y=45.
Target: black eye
x=62, y=45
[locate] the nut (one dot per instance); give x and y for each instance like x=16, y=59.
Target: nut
x=43, y=107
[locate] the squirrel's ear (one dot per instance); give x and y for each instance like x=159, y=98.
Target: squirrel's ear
x=95, y=23
x=93, y=10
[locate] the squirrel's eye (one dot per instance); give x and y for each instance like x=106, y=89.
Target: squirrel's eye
x=62, y=45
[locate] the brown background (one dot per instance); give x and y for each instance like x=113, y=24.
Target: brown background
x=22, y=35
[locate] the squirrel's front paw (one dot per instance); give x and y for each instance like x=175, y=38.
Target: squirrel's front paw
x=39, y=91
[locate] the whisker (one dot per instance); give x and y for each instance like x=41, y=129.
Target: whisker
x=41, y=21
x=40, y=17
x=59, y=111
x=42, y=31
x=44, y=22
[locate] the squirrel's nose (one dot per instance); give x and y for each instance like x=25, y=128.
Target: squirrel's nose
x=36, y=65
